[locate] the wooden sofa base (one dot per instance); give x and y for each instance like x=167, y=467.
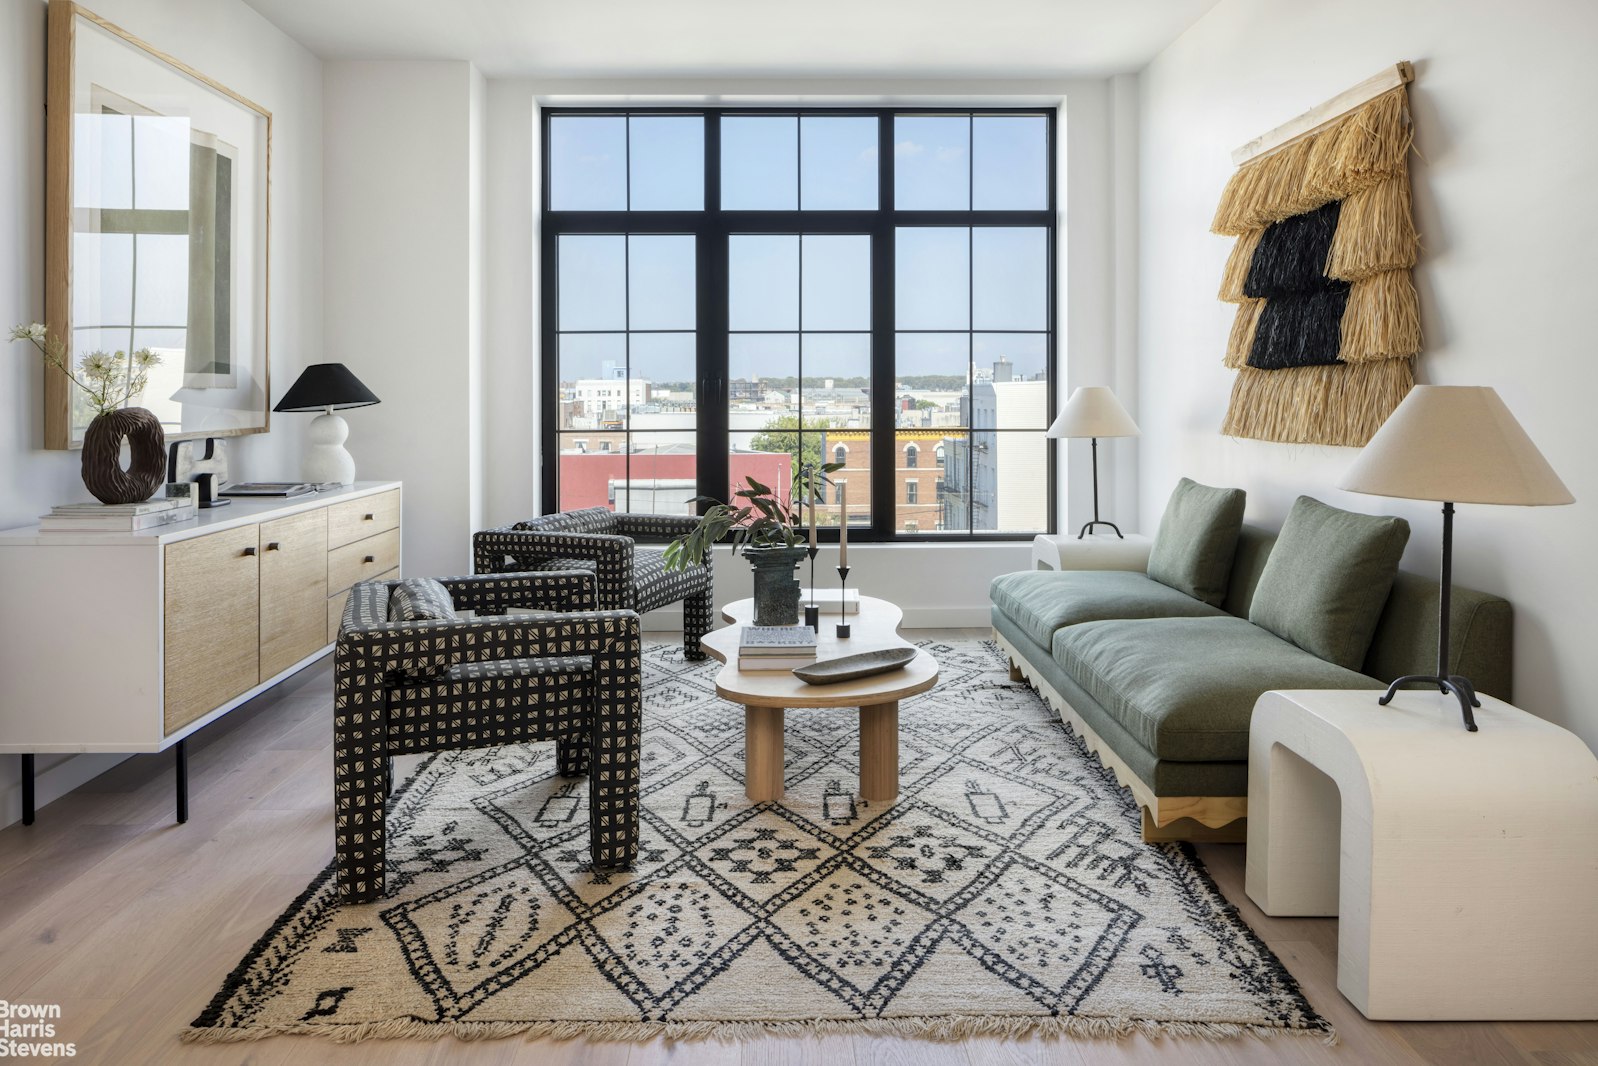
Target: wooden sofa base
x=1165, y=818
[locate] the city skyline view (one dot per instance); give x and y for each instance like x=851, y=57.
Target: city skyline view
x=970, y=311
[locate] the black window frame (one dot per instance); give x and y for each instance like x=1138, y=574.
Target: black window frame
x=711, y=228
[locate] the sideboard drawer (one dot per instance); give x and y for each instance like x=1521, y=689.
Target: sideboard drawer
x=362, y=561
x=336, y=602
x=293, y=586
x=355, y=520
x=213, y=586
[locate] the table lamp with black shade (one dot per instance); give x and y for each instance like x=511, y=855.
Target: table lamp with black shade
x=327, y=387
x=1454, y=444
x=1094, y=412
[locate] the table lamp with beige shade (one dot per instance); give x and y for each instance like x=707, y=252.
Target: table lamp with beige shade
x=1093, y=411
x=1454, y=444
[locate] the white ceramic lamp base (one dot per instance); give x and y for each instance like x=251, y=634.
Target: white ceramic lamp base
x=328, y=461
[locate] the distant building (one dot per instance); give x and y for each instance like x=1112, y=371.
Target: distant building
x=660, y=480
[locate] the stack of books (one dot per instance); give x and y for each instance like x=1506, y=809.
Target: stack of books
x=776, y=647
x=117, y=517
x=827, y=600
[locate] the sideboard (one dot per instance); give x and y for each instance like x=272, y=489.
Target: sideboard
x=129, y=642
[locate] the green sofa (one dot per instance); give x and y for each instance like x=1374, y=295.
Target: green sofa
x=1162, y=685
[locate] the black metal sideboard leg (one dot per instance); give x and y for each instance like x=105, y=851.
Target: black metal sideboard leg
x=27, y=790
x=182, y=752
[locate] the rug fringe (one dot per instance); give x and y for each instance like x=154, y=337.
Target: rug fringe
x=956, y=1027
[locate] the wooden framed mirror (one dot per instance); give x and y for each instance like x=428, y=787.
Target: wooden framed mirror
x=157, y=230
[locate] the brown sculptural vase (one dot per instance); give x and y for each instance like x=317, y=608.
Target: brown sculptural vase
x=103, y=473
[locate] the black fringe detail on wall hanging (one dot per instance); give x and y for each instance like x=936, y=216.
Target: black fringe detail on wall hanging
x=1305, y=329
x=1291, y=256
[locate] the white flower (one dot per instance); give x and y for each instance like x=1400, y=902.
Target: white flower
x=34, y=332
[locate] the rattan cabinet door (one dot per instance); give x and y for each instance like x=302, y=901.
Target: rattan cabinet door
x=293, y=589
x=212, y=622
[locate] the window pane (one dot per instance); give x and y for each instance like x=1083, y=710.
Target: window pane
x=918, y=507
x=1010, y=163
x=662, y=383
x=102, y=280
x=759, y=163
x=837, y=282
x=1000, y=401
x=763, y=281
x=852, y=447
x=932, y=371
x=1009, y=482
x=666, y=157
x=660, y=282
x=593, y=381
x=770, y=458
x=762, y=384
x=931, y=163
x=588, y=163
x=662, y=475
x=836, y=387
x=1011, y=356
x=838, y=163
x=1010, y=278
x=932, y=278
x=592, y=464
x=593, y=282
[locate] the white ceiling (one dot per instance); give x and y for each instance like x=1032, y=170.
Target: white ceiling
x=747, y=38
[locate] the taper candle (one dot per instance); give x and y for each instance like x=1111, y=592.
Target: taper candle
x=810, y=490
x=843, y=523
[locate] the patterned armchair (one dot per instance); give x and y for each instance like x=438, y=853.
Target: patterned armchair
x=406, y=687
x=625, y=551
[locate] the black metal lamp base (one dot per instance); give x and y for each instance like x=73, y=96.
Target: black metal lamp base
x=1100, y=522
x=1460, y=687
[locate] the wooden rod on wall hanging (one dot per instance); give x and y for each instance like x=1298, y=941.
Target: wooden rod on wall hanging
x=1388, y=79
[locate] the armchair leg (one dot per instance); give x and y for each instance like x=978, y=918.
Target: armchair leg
x=571, y=756
x=360, y=791
x=697, y=618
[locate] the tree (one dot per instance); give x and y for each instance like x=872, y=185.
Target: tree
x=782, y=435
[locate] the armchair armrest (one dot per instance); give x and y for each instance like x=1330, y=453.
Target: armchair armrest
x=542, y=590
x=655, y=527
x=507, y=550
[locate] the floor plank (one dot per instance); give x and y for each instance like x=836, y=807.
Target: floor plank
x=131, y=922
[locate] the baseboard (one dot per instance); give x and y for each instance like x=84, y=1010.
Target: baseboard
x=50, y=785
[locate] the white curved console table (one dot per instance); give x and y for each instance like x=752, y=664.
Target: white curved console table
x=1463, y=867
x=766, y=694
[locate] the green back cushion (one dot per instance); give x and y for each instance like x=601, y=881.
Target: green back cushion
x=1193, y=550
x=1327, y=579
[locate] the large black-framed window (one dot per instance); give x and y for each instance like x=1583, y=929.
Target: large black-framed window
x=728, y=291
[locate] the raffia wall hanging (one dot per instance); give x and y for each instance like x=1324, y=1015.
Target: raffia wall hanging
x=1328, y=320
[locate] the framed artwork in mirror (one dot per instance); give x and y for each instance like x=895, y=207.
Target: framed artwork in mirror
x=156, y=231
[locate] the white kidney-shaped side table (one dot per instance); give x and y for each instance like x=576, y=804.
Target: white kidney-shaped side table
x=1463, y=867
x=1096, y=551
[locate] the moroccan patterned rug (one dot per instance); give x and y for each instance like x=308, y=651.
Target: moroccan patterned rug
x=1006, y=890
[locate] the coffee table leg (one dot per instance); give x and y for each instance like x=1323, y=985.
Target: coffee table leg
x=763, y=753
x=879, y=751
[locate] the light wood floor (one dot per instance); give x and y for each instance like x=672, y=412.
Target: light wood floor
x=130, y=923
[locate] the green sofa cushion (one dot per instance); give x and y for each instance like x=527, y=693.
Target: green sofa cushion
x=1185, y=688
x=1041, y=601
x=1193, y=549
x=1327, y=579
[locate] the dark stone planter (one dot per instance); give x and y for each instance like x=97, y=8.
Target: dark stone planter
x=103, y=474
x=776, y=587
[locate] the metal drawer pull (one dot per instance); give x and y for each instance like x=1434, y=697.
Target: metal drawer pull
x=271, y=545
x=368, y=517
x=249, y=551
x=370, y=559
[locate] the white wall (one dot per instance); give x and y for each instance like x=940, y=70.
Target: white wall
x=229, y=41
x=402, y=156
x=1503, y=197
x=1096, y=295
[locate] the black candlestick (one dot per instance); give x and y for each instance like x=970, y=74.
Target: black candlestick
x=843, y=582
x=813, y=609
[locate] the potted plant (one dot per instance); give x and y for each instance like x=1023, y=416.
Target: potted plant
x=764, y=528
x=108, y=381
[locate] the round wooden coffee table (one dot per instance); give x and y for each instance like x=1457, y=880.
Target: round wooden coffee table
x=766, y=694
